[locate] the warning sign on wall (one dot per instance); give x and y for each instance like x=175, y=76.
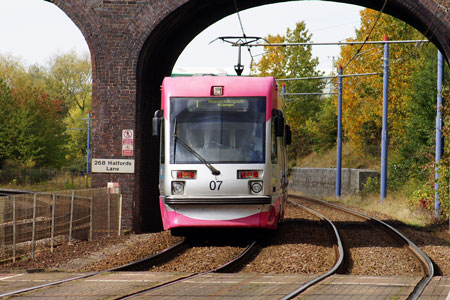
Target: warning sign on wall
x=127, y=142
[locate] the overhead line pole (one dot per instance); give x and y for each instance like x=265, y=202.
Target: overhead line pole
x=439, y=138
x=339, y=138
x=384, y=130
x=339, y=131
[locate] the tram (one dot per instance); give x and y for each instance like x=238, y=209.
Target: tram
x=222, y=152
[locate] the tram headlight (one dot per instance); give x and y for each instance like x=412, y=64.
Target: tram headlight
x=177, y=187
x=256, y=187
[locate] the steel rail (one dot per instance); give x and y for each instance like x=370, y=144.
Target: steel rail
x=249, y=250
x=158, y=256
x=155, y=258
x=339, y=253
x=420, y=255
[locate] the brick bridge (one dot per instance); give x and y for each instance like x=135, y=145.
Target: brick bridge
x=135, y=43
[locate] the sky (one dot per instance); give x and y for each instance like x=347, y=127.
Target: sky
x=36, y=30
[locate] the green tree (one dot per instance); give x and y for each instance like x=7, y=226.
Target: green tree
x=416, y=146
x=323, y=127
x=362, y=106
x=43, y=122
x=294, y=62
x=70, y=78
x=31, y=128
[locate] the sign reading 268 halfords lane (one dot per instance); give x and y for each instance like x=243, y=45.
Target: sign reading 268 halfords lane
x=112, y=165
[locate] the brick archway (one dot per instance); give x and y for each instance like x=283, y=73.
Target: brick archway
x=134, y=44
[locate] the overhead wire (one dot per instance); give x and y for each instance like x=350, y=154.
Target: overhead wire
x=368, y=35
x=243, y=32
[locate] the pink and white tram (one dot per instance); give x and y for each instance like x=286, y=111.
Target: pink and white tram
x=223, y=157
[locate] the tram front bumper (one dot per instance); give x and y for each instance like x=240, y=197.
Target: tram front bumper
x=243, y=212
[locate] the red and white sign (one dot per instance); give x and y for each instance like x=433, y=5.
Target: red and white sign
x=113, y=187
x=127, y=142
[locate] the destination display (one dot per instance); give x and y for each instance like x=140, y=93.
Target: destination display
x=101, y=165
x=218, y=104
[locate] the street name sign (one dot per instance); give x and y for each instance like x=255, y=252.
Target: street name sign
x=101, y=165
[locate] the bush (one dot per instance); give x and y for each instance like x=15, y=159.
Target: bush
x=371, y=186
x=423, y=197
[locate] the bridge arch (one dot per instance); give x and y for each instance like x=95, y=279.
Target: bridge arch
x=167, y=40
x=134, y=44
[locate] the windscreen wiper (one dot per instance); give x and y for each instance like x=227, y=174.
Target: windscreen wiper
x=214, y=171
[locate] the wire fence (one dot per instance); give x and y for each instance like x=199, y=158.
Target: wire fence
x=52, y=217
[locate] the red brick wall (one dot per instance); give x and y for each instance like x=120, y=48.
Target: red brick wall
x=117, y=31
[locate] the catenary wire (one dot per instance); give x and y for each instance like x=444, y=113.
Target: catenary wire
x=243, y=32
x=368, y=35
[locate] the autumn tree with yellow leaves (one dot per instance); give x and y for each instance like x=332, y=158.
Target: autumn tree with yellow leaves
x=295, y=62
x=411, y=101
x=363, y=96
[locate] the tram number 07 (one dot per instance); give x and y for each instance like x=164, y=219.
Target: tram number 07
x=215, y=185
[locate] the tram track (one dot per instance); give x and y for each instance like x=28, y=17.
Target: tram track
x=403, y=242
x=231, y=265
x=311, y=206
x=151, y=259
x=164, y=257
x=339, y=254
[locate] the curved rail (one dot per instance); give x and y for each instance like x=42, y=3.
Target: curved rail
x=421, y=256
x=339, y=252
x=154, y=257
x=251, y=249
x=245, y=255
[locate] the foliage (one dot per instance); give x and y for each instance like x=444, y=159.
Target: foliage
x=443, y=190
x=412, y=109
x=77, y=144
x=40, y=106
x=416, y=145
x=323, y=127
x=32, y=132
x=294, y=62
x=362, y=96
x=70, y=78
x=371, y=186
x=423, y=197
x=444, y=164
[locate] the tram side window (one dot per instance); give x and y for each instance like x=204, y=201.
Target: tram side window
x=274, y=147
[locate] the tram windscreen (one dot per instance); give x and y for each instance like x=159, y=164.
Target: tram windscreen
x=220, y=130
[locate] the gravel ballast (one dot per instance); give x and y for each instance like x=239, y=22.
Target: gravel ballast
x=302, y=245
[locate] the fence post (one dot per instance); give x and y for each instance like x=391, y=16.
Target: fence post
x=14, y=228
x=33, y=234
x=109, y=215
x=53, y=222
x=90, y=218
x=120, y=215
x=2, y=220
x=71, y=216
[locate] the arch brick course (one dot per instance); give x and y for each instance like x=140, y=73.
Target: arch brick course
x=135, y=43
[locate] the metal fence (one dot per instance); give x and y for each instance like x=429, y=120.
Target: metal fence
x=44, y=218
